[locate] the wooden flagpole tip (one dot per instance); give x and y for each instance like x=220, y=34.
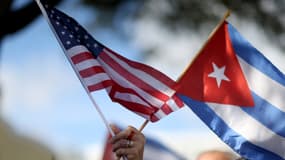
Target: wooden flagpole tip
x=143, y=125
x=227, y=14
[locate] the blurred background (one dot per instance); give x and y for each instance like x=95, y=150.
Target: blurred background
x=45, y=111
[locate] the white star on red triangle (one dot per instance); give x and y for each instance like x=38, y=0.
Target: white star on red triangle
x=219, y=74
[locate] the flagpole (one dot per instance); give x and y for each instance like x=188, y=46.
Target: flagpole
x=143, y=125
x=226, y=15
x=79, y=77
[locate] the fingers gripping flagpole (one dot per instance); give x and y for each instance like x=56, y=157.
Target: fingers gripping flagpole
x=226, y=15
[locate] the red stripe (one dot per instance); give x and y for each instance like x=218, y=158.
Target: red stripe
x=101, y=85
x=91, y=71
x=178, y=101
x=117, y=88
x=153, y=118
x=131, y=78
x=137, y=107
x=153, y=72
x=81, y=57
x=166, y=109
x=113, y=90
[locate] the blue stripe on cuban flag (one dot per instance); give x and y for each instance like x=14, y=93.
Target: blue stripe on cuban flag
x=256, y=133
x=156, y=150
x=267, y=84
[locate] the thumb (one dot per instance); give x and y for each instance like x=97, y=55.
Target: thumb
x=115, y=128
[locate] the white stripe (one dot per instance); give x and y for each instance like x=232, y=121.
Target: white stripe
x=96, y=79
x=264, y=86
x=130, y=98
x=249, y=128
x=87, y=64
x=159, y=114
x=76, y=50
x=172, y=104
x=125, y=83
x=147, y=78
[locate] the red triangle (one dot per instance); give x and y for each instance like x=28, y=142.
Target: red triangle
x=198, y=85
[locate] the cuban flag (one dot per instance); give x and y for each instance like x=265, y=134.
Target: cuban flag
x=238, y=94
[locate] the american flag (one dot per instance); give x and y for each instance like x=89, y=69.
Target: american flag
x=138, y=87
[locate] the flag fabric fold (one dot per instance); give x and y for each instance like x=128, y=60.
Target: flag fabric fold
x=138, y=87
x=238, y=94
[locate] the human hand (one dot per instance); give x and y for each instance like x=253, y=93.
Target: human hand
x=129, y=143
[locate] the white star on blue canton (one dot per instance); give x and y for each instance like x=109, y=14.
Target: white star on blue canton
x=219, y=74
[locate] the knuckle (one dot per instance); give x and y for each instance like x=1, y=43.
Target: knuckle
x=120, y=152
